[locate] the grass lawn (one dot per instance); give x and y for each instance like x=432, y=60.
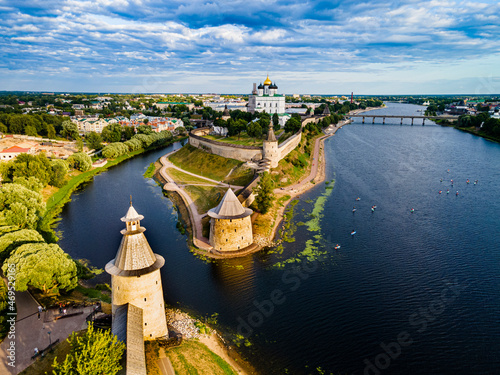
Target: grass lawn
x=208, y=165
x=193, y=357
x=263, y=224
x=205, y=197
x=184, y=178
x=243, y=139
x=295, y=165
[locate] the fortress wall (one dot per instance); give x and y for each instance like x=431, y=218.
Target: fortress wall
x=227, y=150
x=230, y=235
x=286, y=147
x=146, y=293
x=310, y=119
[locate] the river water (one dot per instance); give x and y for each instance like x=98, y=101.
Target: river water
x=409, y=293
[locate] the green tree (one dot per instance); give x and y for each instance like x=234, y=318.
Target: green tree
x=95, y=352
x=80, y=161
x=254, y=130
x=20, y=206
x=69, y=130
x=292, y=125
x=128, y=132
x=112, y=133
x=31, y=131
x=60, y=169
x=51, y=132
x=43, y=266
x=264, y=191
x=4, y=327
x=9, y=241
x=276, y=122
x=94, y=140
x=26, y=165
x=79, y=144
x=144, y=129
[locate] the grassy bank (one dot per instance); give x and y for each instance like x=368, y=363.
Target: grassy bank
x=56, y=202
x=212, y=166
x=193, y=357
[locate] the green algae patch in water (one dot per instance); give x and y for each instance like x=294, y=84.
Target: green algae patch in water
x=316, y=214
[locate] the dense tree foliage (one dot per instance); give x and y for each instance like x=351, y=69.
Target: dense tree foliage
x=112, y=133
x=26, y=165
x=94, y=140
x=254, y=129
x=490, y=126
x=42, y=266
x=60, y=169
x=292, y=125
x=3, y=309
x=69, y=130
x=9, y=241
x=95, y=352
x=80, y=161
x=264, y=191
x=20, y=206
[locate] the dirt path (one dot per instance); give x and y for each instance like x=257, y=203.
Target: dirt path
x=198, y=239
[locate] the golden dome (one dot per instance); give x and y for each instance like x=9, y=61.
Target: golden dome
x=267, y=82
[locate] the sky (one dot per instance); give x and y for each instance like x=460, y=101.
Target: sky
x=224, y=46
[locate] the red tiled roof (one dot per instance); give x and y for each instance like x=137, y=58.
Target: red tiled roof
x=16, y=149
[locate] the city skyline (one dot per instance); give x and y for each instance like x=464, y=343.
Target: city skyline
x=406, y=47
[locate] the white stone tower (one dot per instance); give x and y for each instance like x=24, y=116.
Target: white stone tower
x=230, y=224
x=270, y=149
x=136, y=279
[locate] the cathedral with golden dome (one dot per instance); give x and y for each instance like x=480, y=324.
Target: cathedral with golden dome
x=265, y=98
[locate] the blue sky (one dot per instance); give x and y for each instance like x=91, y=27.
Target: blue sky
x=314, y=47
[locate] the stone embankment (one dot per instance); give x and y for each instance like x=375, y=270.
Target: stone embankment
x=183, y=324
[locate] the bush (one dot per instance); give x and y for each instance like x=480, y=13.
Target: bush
x=80, y=161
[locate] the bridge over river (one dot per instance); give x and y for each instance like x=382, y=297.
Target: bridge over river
x=412, y=117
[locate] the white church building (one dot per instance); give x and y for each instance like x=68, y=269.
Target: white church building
x=265, y=98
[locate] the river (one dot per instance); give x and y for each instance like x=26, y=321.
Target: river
x=410, y=293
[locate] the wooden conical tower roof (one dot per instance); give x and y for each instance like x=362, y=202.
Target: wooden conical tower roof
x=134, y=256
x=229, y=208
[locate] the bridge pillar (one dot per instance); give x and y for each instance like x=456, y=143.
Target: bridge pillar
x=373, y=120
x=383, y=121
x=423, y=121
x=401, y=121
x=412, y=121
x=363, y=119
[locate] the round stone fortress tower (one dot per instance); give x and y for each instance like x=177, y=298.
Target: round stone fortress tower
x=230, y=224
x=270, y=150
x=136, y=279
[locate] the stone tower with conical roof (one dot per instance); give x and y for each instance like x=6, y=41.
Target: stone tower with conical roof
x=136, y=279
x=230, y=224
x=270, y=149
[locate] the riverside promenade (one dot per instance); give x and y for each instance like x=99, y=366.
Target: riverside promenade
x=31, y=332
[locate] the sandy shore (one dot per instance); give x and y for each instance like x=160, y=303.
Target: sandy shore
x=214, y=343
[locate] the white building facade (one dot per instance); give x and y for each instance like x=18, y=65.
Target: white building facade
x=265, y=98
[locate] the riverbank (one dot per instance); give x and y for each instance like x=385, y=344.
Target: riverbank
x=56, y=201
x=275, y=217
x=316, y=176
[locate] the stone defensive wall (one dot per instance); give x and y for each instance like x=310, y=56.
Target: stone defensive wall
x=227, y=150
x=286, y=147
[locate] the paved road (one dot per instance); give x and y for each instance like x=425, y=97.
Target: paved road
x=32, y=332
